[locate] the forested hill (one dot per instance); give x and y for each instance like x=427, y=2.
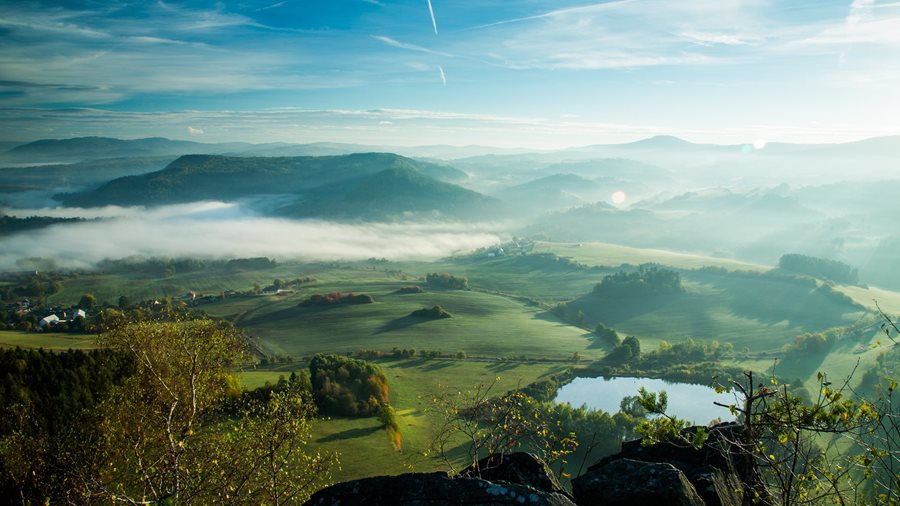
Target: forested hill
x=358, y=186
x=210, y=177
x=391, y=193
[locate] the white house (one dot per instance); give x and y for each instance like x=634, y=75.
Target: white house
x=48, y=320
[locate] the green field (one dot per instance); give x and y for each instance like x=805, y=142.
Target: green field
x=47, y=341
x=504, y=315
x=364, y=446
x=888, y=300
x=213, y=281
x=603, y=254
x=755, y=312
x=482, y=324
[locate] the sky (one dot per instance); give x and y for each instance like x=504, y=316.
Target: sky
x=530, y=73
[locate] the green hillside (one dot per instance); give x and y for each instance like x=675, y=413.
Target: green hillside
x=390, y=193
x=208, y=177
x=482, y=324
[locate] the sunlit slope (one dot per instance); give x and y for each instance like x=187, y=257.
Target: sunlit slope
x=48, y=341
x=364, y=445
x=482, y=324
x=607, y=254
x=759, y=314
x=888, y=300
x=141, y=285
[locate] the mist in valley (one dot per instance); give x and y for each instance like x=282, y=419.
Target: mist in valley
x=752, y=202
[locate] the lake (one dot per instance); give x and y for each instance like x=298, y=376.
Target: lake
x=688, y=401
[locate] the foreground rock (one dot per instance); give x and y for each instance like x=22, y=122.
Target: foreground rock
x=669, y=474
x=675, y=473
x=625, y=481
x=434, y=489
x=521, y=468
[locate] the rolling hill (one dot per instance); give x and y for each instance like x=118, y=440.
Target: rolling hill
x=391, y=193
x=550, y=193
x=357, y=186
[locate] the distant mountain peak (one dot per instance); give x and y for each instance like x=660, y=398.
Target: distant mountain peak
x=661, y=141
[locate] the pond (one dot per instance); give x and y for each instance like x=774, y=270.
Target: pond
x=688, y=401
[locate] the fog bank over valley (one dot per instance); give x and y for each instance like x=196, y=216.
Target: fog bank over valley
x=224, y=230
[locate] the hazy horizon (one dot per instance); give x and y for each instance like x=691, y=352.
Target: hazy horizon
x=409, y=73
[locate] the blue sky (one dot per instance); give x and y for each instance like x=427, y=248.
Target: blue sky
x=530, y=73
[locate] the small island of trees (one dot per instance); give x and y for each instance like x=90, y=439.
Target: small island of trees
x=445, y=280
x=646, y=281
x=434, y=313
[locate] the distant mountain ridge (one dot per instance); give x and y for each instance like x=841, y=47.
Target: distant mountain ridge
x=84, y=148
x=352, y=186
x=92, y=148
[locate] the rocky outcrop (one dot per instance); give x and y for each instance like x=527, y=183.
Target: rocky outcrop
x=521, y=468
x=626, y=482
x=434, y=489
x=670, y=474
x=715, y=473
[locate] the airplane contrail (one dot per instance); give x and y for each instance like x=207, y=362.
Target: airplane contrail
x=433, y=22
x=443, y=76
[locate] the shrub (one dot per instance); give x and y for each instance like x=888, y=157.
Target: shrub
x=435, y=313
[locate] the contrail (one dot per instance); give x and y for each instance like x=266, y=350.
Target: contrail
x=433, y=22
x=443, y=76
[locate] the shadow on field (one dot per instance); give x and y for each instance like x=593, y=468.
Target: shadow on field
x=437, y=365
x=503, y=366
x=281, y=314
x=598, y=343
x=802, y=367
x=410, y=362
x=400, y=323
x=611, y=311
x=349, y=434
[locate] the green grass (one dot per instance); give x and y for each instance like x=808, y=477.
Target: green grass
x=887, y=299
x=142, y=286
x=48, y=341
x=482, y=324
x=364, y=445
x=604, y=254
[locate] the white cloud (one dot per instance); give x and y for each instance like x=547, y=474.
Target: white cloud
x=214, y=230
x=712, y=38
x=412, y=47
x=194, y=131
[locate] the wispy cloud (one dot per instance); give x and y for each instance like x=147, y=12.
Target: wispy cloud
x=412, y=47
x=443, y=76
x=859, y=29
x=622, y=34
x=433, y=21
x=710, y=38
x=408, y=127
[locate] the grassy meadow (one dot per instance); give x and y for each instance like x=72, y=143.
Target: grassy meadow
x=482, y=324
x=604, y=254
x=505, y=315
x=364, y=445
x=47, y=341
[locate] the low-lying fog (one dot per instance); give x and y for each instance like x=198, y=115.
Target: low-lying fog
x=224, y=230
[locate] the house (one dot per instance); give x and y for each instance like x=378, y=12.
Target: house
x=48, y=320
x=79, y=312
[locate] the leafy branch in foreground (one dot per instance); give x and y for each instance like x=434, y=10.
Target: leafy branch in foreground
x=488, y=425
x=833, y=448
x=166, y=435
